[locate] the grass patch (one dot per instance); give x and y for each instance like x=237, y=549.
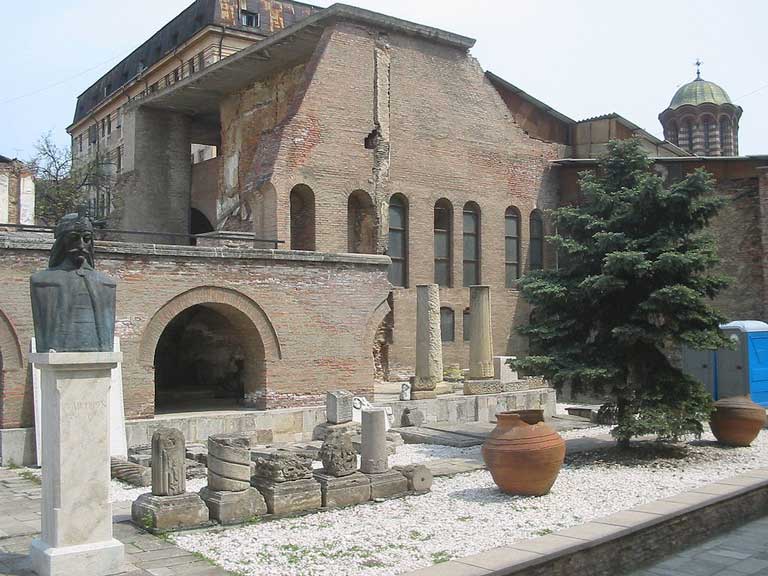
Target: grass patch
x=31, y=476
x=440, y=557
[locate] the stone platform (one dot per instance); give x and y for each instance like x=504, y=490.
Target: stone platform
x=17, y=445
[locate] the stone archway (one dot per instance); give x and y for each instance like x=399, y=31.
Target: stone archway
x=208, y=348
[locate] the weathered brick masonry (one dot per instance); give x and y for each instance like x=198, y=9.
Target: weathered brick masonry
x=307, y=320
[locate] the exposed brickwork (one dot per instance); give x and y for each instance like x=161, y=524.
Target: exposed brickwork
x=316, y=317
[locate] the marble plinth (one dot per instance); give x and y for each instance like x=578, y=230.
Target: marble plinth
x=234, y=507
x=289, y=497
x=165, y=513
x=76, y=535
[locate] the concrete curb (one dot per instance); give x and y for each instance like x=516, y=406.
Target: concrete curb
x=626, y=540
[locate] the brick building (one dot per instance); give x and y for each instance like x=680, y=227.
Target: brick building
x=348, y=136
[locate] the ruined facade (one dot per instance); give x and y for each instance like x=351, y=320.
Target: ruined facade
x=364, y=155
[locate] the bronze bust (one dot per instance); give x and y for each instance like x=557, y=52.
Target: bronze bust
x=73, y=305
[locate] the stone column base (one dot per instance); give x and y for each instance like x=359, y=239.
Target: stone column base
x=344, y=490
x=290, y=497
x=489, y=386
x=95, y=559
x=162, y=513
x=389, y=484
x=234, y=507
x=444, y=388
x=423, y=394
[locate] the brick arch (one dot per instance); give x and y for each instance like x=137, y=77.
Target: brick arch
x=375, y=320
x=10, y=349
x=209, y=295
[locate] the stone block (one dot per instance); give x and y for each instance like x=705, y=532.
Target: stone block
x=412, y=417
x=489, y=386
x=419, y=477
x=503, y=371
x=290, y=497
x=195, y=469
x=322, y=430
x=345, y=491
x=130, y=472
x=231, y=470
x=423, y=394
x=338, y=406
x=281, y=465
x=198, y=453
x=234, y=507
x=389, y=484
x=337, y=454
x=163, y=513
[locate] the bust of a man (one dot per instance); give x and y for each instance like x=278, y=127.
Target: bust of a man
x=73, y=306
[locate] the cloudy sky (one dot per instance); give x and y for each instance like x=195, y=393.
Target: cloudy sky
x=583, y=58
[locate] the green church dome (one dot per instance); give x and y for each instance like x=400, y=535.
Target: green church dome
x=698, y=92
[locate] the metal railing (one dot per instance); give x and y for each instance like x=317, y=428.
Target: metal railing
x=214, y=235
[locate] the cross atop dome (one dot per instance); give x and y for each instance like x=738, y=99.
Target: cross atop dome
x=698, y=64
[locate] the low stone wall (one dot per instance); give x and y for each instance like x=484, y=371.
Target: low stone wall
x=17, y=445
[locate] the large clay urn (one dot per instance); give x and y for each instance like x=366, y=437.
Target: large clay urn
x=523, y=459
x=737, y=421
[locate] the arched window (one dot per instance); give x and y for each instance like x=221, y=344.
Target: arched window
x=725, y=136
x=446, y=324
x=511, y=246
x=705, y=124
x=471, y=237
x=302, y=201
x=361, y=223
x=398, y=240
x=689, y=134
x=443, y=229
x=674, y=133
x=466, y=326
x=536, y=247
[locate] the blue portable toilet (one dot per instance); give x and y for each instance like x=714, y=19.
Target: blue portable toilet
x=743, y=370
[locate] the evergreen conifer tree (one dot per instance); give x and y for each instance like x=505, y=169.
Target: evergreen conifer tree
x=634, y=281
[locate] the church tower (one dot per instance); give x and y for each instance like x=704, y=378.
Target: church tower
x=702, y=119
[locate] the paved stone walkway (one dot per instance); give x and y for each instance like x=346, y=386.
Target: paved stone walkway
x=146, y=555
x=741, y=551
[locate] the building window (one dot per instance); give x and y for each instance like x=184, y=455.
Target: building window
x=80, y=143
x=249, y=19
x=446, y=325
x=398, y=240
x=93, y=133
x=443, y=229
x=536, y=248
x=471, y=244
x=705, y=127
x=511, y=246
x=119, y=160
x=103, y=127
x=109, y=124
x=191, y=65
x=689, y=133
x=466, y=327
x=302, y=204
x=725, y=133
x=176, y=72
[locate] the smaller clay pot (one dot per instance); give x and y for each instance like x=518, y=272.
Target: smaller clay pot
x=532, y=416
x=737, y=421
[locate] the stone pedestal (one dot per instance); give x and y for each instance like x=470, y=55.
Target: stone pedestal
x=234, y=507
x=345, y=491
x=290, y=497
x=487, y=386
x=389, y=484
x=373, y=449
x=164, y=513
x=338, y=406
x=76, y=535
x=429, y=346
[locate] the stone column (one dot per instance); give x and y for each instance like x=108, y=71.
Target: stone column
x=374, y=464
x=429, y=346
x=373, y=451
x=481, y=377
x=76, y=536
x=480, y=337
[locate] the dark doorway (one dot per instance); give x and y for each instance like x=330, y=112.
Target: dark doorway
x=200, y=362
x=198, y=224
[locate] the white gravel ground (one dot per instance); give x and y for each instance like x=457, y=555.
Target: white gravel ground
x=462, y=515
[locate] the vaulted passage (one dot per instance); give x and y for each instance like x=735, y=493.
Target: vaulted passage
x=208, y=356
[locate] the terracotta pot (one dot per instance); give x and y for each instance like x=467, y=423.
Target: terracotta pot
x=737, y=421
x=529, y=416
x=523, y=459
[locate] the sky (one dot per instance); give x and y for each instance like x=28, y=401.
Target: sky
x=584, y=58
